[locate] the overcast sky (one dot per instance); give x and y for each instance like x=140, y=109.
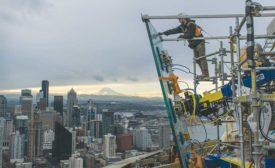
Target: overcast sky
x=96, y=42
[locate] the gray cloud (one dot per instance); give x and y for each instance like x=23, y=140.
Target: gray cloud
x=132, y=79
x=99, y=78
x=71, y=42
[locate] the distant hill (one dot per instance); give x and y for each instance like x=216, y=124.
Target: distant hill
x=106, y=95
x=108, y=91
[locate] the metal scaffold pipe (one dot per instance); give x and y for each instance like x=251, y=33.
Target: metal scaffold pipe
x=220, y=38
x=218, y=16
x=239, y=108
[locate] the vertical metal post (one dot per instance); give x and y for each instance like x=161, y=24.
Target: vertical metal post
x=195, y=76
x=251, y=64
x=218, y=122
x=232, y=63
x=222, y=62
x=239, y=108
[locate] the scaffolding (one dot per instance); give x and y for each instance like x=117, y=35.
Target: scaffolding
x=165, y=69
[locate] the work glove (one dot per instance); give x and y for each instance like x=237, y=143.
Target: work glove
x=160, y=33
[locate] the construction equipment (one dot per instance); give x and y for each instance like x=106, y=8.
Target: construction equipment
x=247, y=99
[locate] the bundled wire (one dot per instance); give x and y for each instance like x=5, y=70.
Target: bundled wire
x=261, y=129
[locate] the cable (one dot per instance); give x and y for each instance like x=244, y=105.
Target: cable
x=182, y=66
x=185, y=83
x=261, y=129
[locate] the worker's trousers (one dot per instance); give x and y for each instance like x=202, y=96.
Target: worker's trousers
x=199, y=51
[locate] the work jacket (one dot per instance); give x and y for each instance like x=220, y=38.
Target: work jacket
x=189, y=31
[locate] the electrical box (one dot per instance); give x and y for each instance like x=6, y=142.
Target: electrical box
x=271, y=28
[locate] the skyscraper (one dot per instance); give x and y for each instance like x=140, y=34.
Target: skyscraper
x=45, y=89
x=109, y=145
x=62, y=145
x=107, y=121
x=3, y=106
x=58, y=104
x=71, y=102
x=2, y=123
x=164, y=136
x=35, y=142
x=17, y=145
x=26, y=102
x=142, y=138
x=21, y=125
x=76, y=116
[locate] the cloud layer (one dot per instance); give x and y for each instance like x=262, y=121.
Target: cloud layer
x=92, y=42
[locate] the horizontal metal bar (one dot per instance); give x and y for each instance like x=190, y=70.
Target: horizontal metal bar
x=259, y=68
x=267, y=53
x=268, y=7
x=233, y=146
x=218, y=38
x=208, y=55
x=147, y=17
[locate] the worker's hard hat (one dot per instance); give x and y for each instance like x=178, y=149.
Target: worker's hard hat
x=183, y=16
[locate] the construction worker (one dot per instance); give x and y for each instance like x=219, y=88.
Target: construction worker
x=191, y=30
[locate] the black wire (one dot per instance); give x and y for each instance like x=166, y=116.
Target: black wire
x=261, y=129
x=182, y=66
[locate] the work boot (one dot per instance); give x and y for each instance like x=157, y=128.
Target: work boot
x=204, y=69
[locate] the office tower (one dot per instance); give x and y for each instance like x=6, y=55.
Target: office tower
x=8, y=128
x=62, y=145
x=35, y=136
x=76, y=116
x=164, y=136
x=48, y=118
x=109, y=145
x=48, y=139
x=3, y=106
x=124, y=142
x=45, y=89
x=26, y=92
x=96, y=129
x=26, y=102
x=71, y=102
x=2, y=124
x=58, y=104
x=17, y=145
x=142, y=139
x=75, y=161
x=107, y=121
x=21, y=125
x=41, y=101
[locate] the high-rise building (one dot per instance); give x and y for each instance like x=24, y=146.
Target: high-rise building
x=76, y=116
x=62, y=145
x=21, y=125
x=17, y=145
x=142, y=139
x=76, y=161
x=107, y=121
x=109, y=145
x=8, y=128
x=3, y=106
x=48, y=118
x=124, y=142
x=164, y=135
x=41, y=101
x=35, y=136
x=2, y=124
x=48, y=139
x=71, y=102
x=96, y=129
x=26, y=102
x=58, y=104
x=45, y=89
